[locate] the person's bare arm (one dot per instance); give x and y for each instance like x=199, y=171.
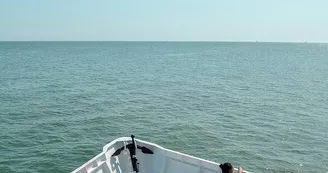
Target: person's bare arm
x=240, y=170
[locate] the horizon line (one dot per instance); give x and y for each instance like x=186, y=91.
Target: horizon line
x=223, y=41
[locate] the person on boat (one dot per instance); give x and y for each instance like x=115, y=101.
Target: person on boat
x=228, y=168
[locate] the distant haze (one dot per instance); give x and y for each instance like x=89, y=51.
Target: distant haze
x=169, y=20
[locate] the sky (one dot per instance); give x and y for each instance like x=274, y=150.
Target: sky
x=165, y=20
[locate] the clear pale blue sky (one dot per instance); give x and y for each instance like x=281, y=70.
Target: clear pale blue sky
x=207, y=20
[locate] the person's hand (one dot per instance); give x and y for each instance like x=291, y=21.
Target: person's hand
x=240, y=170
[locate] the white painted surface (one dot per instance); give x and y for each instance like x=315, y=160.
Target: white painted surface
x=162, y=161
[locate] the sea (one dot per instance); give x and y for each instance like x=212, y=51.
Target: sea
x=262, y=106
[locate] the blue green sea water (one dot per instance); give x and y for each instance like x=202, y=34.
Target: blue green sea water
x=263, y=106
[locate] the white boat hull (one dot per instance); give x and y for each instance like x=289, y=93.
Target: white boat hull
x=162, y=161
